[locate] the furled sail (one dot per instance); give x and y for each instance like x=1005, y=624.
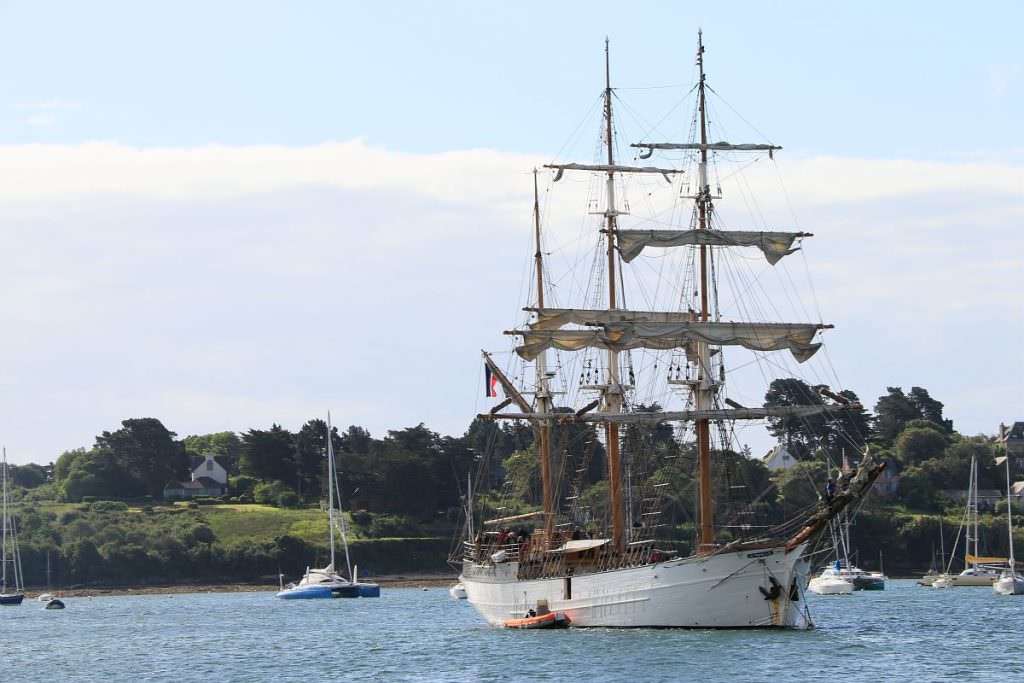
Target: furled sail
x=611, y=168
x=774, y=245
x=557, y=318
x=622, y=336
x=721, y=146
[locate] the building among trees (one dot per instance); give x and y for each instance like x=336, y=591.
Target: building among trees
x=209, y=479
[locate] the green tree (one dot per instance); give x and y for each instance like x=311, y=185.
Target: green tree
x=311, y=456
x=801, y=485
x=914, y=445
x=269, y=455
x=27, y=476
x=147, y=452
x=62, y=467
x=356, y=440
x=226, y=445
x=792, y=430
x=894, y=410
x=96, y=473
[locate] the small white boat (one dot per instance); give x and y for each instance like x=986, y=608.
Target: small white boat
x=45, y=597
x=942, y=581
x=458, y=591
x=830, y=582
x=1010, y=583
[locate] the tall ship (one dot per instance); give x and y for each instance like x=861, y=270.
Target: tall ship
x=619, y=374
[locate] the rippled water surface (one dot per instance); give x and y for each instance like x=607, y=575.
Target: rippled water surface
x=907, y=631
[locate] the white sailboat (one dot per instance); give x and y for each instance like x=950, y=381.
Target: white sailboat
x=458, y=589
x=1010, y=581
x=618, y=577
x=12, y=581
x=328, y=582
x=978, y=570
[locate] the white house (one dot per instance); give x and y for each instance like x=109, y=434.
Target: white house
x=779, y=458
x=209, y=480
x=207, y=466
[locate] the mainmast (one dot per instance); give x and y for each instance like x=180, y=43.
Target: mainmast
x=704, y=391
x=613, y=392
x=543, y=395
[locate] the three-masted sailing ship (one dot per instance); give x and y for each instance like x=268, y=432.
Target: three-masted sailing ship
x=610, y=571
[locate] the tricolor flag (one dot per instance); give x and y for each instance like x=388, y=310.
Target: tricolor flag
x=490, y=383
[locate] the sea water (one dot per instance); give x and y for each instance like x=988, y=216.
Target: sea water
x=914, y=633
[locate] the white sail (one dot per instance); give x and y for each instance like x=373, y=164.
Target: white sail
x=774, y=245
x=618, y=336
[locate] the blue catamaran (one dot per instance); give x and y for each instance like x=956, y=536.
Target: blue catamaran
x=327, y=582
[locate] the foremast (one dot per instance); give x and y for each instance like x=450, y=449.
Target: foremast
x=612, y=399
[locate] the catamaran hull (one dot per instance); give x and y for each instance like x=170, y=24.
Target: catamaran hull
x=743, y=589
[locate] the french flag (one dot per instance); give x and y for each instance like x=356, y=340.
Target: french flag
x=490, y=383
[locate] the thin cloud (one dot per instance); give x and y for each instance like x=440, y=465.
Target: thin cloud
x=227, y=287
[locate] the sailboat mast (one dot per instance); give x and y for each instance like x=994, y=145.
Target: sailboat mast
x=330, y=487
x=613, y=392
x=543, y=392
x=3, y=521
x=703, y=393
x=1009, y=514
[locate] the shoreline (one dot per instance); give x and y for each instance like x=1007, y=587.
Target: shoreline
x=386, y=581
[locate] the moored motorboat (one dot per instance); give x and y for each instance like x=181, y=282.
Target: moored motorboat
x=458, y=591
x=54, y=603
x=830, y=582
x=862, y=580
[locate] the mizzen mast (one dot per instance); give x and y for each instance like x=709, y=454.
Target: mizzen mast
x=704, y=393
x=543, y=394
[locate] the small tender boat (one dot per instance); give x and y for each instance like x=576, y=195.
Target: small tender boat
x=54, y=603
x=45, y=597
x=942, y=581
x=830, y=582
x=458, y=591
x=549, y=620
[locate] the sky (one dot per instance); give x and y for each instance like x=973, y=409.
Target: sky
x=227, y=215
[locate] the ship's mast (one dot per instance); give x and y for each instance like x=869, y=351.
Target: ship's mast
x=544, y=403
x=704, y=392
x=613, y=392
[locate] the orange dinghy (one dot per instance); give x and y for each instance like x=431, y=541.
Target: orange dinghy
x=549, y=620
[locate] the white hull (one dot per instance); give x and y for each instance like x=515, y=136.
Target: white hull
x=830, y=586
x=1009, y=585
x=717, y=591
x=458, y=591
